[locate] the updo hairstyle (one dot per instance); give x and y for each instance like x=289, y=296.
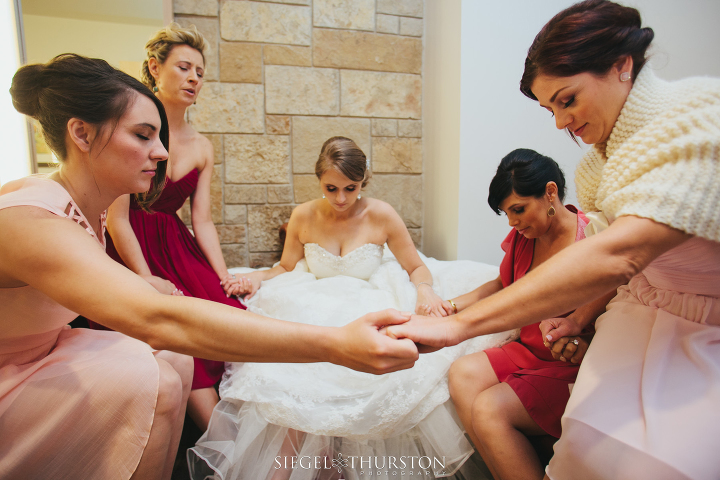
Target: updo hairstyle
x=526, y=173
x=73, y=86
x=590, y=36
x=162, y=43
x=345, y=156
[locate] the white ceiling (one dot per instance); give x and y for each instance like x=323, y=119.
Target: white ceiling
x=139, y=12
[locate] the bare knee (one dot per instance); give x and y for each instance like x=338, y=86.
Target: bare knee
x=170, y=396
x=467, y=377
x=488, y=413
x=182, y=364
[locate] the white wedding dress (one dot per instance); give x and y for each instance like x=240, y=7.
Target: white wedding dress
x=352, y=414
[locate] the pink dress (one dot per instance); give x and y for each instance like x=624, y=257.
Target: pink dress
x=646, y=404
x=74, y=403
x=172, y=253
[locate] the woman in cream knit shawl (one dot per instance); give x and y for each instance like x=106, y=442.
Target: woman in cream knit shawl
x=646, y=403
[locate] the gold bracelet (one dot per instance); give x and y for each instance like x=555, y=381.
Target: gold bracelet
x=453, y=305
x=423, y=283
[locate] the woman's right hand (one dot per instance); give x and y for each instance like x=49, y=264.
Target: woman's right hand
x=364, y=346
x=163, y=286
x=251, y=283
x=553, y=329
x=569, y=349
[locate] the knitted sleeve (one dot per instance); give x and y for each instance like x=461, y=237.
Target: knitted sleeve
x=670, y=171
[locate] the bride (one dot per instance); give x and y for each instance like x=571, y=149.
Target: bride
x=287, y=421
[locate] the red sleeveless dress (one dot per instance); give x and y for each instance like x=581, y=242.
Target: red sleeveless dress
x=540, y=382
x=172, y=253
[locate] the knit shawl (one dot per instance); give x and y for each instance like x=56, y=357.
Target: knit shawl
x=662, y=159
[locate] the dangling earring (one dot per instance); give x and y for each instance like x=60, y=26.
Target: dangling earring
x=323, y=195
x=624, y=76
x=551, y=211
x=155, y=89
x=359, y=196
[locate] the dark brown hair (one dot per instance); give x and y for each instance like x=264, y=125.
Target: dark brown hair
x=590, y=36
x=73, y=86
x=527, y=173
x=345, y=156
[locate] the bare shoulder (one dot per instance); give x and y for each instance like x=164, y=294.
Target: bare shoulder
x=26, y=236
x=305, y=211
x=205, y=147
x=380, y=210
x=12, y=186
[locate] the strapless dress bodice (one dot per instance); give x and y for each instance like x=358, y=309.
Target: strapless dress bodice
x=359, y=263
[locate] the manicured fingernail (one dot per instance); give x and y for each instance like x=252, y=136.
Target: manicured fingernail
x=549, y=338
x=563, y=359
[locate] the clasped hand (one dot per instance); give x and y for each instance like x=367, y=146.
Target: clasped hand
x=430, y=304
x=364, y=345
x=562, y=336
x=240, y=284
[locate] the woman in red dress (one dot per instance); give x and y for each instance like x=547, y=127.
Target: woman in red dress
x=157, y=245
x=508, y=393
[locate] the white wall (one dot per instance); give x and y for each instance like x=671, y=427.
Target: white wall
x=15, y=159
x=441, y=127
x=46, y=37
x=496, y=118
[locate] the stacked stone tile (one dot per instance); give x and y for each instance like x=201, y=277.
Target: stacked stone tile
x=283, y=76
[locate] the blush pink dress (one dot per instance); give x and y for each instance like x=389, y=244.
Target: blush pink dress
x=74, y=403
x=646, y=404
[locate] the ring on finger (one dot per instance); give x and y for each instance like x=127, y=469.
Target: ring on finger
x=576, y=342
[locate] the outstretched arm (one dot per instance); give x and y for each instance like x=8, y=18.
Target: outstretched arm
x=127, y=246
x=608, y=259
x=204, y=229
x=402, y=246
x=85, y=280
x=292, y=253
x=484, y=290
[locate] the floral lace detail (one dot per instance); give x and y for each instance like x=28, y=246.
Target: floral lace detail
x=73, y=213
x=359, y=263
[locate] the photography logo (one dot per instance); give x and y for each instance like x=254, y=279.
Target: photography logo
x=367, y=465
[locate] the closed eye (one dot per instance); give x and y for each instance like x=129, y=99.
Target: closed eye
x=569, y=102
x=142, y=137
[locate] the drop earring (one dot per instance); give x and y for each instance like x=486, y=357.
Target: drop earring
x=323, y=195
x=155, y=89
x=359, y=196
x=551, y=211
x=624, y=76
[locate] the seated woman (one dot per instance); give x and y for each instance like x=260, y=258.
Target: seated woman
x=519, y=389
x=156, y=244
x=336, y=267
x=86, y=404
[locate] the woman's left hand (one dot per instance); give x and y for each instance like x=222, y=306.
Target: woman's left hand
x=430, y=304
x=234, y=284
x=569, y=349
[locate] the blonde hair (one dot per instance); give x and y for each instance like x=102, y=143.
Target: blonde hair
x=162, y=43
x=345, y=156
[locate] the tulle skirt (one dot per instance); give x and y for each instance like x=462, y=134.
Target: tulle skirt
x=326, y=421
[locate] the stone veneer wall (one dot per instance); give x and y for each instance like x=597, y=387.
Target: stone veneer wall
x=281, y=78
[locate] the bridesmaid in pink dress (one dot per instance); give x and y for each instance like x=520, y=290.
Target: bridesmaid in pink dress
x=646, y=401
x=84, y=404
x=157, y=245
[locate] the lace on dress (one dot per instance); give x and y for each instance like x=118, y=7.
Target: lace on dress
x=359, y=263
x=72, y=211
